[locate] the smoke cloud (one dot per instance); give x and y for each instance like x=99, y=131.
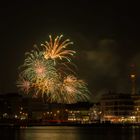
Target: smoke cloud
x=104, y=69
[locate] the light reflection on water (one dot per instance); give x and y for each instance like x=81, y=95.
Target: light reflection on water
x=69, y=133
x=49, y=133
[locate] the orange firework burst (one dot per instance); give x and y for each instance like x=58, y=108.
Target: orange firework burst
x=57, y=48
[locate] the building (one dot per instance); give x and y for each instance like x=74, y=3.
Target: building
x=79, y=112
x=136, y=111
x=10, y=105
x=117, y=107
x=95, y=113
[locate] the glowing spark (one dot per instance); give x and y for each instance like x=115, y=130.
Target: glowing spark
x=45, y=76
x=74, y=90
x=24, y=85
x=55, y=49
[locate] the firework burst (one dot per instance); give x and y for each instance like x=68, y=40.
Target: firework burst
x=24, y=84
x=74, y=90
x=41, y=73
x=57, y=48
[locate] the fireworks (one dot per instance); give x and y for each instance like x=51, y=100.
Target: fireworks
x=23, y=84
x=56, y=49
x=74, y=90
x=42, y=73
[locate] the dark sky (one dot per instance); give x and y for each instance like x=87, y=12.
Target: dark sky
x=105, y=36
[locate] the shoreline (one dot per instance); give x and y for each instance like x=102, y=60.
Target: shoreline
x=92, y=125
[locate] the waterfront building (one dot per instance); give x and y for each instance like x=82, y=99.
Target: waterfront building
x=117, y=107
x=95, y=113
x=79, y=112
x=136, y=112
x=120, y=108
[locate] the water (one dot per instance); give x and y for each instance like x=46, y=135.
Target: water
x=69, y=133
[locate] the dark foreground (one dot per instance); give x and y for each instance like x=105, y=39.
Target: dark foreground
x=19, y=124
x=69, y=133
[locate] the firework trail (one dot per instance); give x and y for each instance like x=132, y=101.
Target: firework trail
x=44, y=72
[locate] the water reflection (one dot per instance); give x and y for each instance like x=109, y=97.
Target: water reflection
x=69, y=133
x=50, y=133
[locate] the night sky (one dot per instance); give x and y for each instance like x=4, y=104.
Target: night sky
x=105, y=36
